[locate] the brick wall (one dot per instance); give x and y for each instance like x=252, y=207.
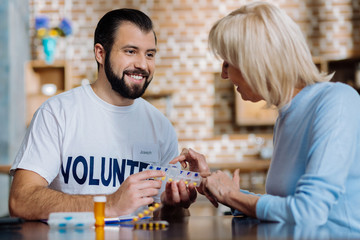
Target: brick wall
x=202, y=109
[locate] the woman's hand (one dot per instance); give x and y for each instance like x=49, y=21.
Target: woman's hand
x=195, y=160
x=219, y=186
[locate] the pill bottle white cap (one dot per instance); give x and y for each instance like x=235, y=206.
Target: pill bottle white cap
x=100, y=199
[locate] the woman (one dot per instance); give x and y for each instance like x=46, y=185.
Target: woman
x=315, y=171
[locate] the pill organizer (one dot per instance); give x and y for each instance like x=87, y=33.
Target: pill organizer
x=71, y=219
x=173, y=173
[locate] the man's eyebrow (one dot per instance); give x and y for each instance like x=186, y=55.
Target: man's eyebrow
x=137, y=48
x=130, y=46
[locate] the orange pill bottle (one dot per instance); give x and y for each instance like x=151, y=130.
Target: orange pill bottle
x=99, y=210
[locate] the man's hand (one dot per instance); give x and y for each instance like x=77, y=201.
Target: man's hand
x=177, y=194
x=136, y=191
x=176, y=200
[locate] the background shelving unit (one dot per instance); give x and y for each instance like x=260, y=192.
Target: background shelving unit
x=38, y=73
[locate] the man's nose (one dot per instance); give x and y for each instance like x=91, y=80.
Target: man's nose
x=140, y=62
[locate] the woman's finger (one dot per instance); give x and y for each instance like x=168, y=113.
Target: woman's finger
x=179, y=158
x=182, y=158
x=236, y=178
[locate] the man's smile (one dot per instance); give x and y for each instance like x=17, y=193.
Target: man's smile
x=136, y=78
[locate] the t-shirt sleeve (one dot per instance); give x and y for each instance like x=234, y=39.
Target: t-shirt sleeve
x=171, y=148
x=331, y=154
x=40, y=149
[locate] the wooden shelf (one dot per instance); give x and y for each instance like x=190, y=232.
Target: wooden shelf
x=38, y=73
x=160, y=99
x=253, y=114
x=158, y=94
x=344, y=69
x=245, y=166
x=5, y=169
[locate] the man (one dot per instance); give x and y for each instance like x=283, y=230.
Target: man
x=97, y=139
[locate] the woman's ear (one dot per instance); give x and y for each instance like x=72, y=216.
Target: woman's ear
x=99, y=53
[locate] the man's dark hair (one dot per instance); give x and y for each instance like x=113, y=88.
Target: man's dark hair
x=110, y=22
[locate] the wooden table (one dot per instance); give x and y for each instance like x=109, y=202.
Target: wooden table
x=209, y=227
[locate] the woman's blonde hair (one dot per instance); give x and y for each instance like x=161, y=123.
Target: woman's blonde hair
x=268, y=47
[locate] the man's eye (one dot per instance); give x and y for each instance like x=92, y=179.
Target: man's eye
x=150, y=55
x=130, y=51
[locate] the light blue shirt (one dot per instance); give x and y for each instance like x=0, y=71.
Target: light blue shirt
x=314, y=175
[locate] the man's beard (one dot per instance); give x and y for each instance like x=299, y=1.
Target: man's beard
x=119, y=85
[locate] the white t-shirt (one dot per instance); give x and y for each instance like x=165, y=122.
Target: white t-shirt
x=82, y=145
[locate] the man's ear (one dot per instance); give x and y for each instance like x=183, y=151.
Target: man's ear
x=99, y=53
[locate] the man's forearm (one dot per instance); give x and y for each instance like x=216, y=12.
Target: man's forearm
x=37, y=202
x=30, y=197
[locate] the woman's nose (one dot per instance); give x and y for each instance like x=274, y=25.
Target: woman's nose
x=224, y=73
